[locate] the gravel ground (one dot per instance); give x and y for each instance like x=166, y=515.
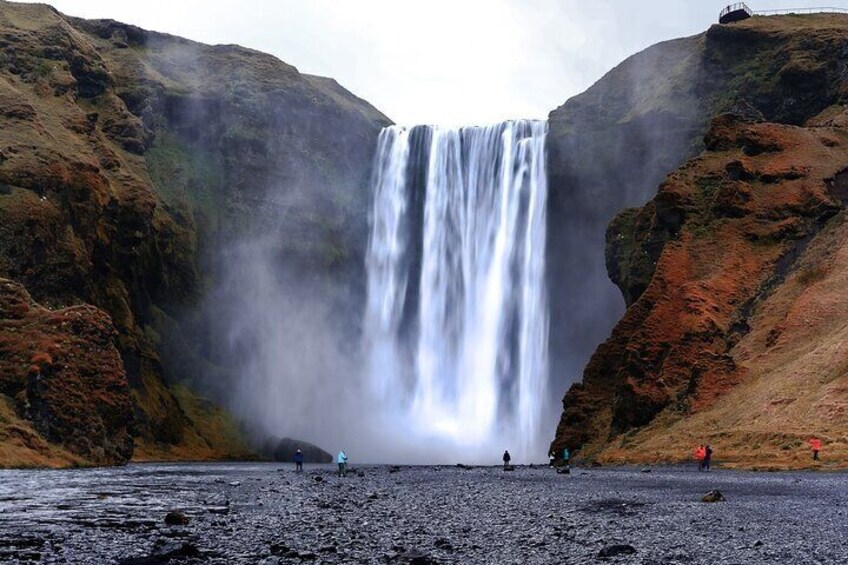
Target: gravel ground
x=267, y=513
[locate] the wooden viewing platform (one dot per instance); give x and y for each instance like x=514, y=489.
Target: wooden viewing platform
x=740, y=11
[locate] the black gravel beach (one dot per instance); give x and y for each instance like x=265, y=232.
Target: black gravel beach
x=267, y=513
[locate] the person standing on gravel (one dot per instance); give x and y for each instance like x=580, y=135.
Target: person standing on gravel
x=566, y=456
x=815, y=445
x=298, y=461
x=700, y=454
x=506, y=459
x=342, y=461
x=708, y=455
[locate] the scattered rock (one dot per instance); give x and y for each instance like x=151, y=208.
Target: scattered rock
x=394, y=469
x=185, y=550
x=646, y=470
x=713, y=496
x=176, y=518
x=282, y=550
x=414, y=557
x=444, y=544
x=616, y=550
x=509, y=468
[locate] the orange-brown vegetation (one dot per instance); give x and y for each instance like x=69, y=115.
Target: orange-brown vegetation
x=65, y=397
x=739, y=337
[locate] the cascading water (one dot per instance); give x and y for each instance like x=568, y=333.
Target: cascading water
x=456, y=320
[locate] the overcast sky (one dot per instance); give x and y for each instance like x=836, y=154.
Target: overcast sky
x=437, y=61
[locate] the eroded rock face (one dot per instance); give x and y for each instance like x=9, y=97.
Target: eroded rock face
x=66, y=377
x=723, y=233
x=128, y=159
x=611, y=146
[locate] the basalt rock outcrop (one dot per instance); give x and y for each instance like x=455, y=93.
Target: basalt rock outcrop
x=128, y=158
x=715, y=269
x=69, y=397
x=610, y=147
x=284, y=450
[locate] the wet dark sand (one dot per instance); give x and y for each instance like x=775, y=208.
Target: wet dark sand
x=266, y=513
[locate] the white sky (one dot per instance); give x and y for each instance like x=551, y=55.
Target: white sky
x=437, y=61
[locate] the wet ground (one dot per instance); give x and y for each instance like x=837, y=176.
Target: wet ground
x=267, y=513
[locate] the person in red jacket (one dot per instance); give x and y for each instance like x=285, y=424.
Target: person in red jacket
x=700, y=455
x=815, y=445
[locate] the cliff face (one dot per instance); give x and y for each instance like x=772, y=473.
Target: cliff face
x=723, y=259
x=128, y=159
x=610, y=147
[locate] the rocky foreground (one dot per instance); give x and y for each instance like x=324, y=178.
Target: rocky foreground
x=267, y=513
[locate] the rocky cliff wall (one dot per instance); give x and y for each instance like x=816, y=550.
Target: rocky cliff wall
x=130, y=159
x=609, y=149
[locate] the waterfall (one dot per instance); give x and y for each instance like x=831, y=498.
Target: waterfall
x=456, y=317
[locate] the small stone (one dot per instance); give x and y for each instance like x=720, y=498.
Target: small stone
x=617, y=549
x=176, y=518
x=187, y=550
x=442, y=543
x=713, y=496
x=414, y=557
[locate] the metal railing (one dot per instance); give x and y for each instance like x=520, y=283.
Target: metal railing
x=738, y=7
x=801, y=11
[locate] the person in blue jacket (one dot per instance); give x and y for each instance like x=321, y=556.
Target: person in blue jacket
x=566, y=456
x=342, y=461
x=298, y=460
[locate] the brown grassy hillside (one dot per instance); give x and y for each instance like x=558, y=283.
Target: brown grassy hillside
x=737, y=339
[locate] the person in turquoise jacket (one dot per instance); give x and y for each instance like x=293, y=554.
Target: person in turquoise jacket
x=342, y=460
x=566, y=456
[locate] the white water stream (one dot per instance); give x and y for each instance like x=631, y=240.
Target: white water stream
x=456, y=321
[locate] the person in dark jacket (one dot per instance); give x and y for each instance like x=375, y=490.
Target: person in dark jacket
x=506, y=459
x=298, y=460
x=708, y=455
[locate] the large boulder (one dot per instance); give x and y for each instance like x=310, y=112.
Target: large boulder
x=284, y=450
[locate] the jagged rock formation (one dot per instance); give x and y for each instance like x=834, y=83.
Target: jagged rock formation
x=284, y=450
x=610, y=147
x=64, y=374
x=731, y=252
x=127, y=158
